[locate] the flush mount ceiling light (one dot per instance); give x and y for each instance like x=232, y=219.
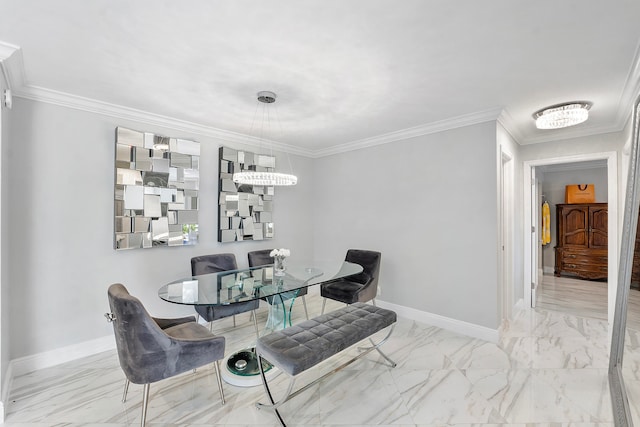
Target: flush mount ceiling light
x=268, y=178
x=562, y=115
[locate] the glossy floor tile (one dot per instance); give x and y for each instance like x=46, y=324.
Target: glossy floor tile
x=548, y=370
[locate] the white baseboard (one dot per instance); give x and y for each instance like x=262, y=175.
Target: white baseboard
x=453, y=325
x=6, y=388
x=548, y=270
x=50, y=358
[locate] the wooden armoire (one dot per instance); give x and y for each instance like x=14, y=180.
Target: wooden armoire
x=581, y=248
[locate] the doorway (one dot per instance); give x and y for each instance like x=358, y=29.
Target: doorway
x=531, y=236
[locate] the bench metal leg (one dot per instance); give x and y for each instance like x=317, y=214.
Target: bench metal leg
x=274, y=406
x=377, y=347
x=289, y=395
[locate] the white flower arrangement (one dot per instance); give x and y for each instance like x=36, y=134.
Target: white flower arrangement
x=280, y=253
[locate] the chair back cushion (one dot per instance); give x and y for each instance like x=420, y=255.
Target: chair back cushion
x=370, y=262
x=213, y=264
x=261, y=257
x=216, y=263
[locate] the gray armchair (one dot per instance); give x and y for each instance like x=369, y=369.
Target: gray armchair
x=216, y=263
x=360, y=287
x=148, y=353
x=262, y=257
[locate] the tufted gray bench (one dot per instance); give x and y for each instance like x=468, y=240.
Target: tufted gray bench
x=295, y=349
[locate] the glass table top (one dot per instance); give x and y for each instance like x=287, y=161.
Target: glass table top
x=234, y=286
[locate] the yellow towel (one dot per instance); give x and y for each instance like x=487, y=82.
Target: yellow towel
x=546, y=224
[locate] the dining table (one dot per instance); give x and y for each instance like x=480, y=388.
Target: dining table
x=279, y=289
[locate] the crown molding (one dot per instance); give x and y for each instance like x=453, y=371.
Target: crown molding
x=426, y=129
x=507, y=122
x=63, y=99
x=565, y=167
x=12, y=65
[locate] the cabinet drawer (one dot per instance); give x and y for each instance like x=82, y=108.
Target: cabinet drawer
x=579, y=258
x=590, y=272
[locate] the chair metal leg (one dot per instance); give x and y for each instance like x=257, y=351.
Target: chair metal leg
x=255, y=322
x=234, y=320
x=304, y=303
x=324, y=302
x=145, y=403
x=210, y=326
x=126, y=389
x=373, y=301
x=219, y=379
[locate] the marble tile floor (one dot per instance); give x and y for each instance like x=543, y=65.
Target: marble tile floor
x=548, y=370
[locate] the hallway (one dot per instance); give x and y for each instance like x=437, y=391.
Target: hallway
x=584, y=298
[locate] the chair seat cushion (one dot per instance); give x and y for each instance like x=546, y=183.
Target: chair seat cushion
x=168, y=323
x=342, y=290
x=189, y=331
x=211, y=313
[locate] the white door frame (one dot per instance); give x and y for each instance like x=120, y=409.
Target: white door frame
x=612, y=184
x=506, y=214
x=533, y=215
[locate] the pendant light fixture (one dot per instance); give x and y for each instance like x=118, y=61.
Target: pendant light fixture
x=267, y=177
x=562, y=115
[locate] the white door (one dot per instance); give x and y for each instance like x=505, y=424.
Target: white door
x=535, y=215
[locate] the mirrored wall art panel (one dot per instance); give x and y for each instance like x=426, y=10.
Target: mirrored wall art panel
x=156, y=190
x=245, y=211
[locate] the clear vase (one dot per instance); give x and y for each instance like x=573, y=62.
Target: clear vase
x=278, y=266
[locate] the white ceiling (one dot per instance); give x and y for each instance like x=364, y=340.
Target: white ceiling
x=347, y=72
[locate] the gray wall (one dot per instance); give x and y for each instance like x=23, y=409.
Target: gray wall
x=553, y=188
x=59, y=187
x=429, y=205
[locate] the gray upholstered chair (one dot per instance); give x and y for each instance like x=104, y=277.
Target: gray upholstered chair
x=148, y=353
x=361, y=287
x=262, y=257
x=216, y=263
